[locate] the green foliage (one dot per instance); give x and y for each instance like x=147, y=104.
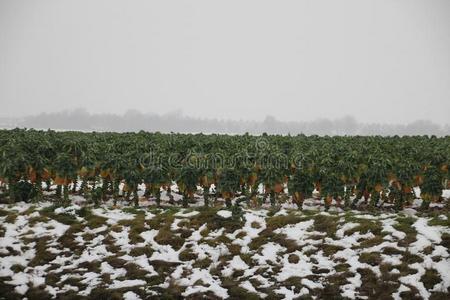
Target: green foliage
x=339, y=167
x=228, y=184
x=23, y=191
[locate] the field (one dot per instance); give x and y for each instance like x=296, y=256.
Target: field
x=149, y=215
x=283, y=253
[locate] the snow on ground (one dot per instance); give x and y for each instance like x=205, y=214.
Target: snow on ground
x=113, y=215
x=186, y=214
x=282, y=254
x=224, y=214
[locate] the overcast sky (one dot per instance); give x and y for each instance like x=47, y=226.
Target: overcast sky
x=379, y=61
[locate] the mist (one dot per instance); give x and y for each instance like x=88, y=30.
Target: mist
x=133, y=121
x=369, y=64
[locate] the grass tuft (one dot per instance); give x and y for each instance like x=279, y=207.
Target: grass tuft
x=430, y=278
x=326, y=224
x=371, y=258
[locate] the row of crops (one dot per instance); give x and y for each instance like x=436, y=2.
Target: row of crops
x=115, y=165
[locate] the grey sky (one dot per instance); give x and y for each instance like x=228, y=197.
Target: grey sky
x=379, y=61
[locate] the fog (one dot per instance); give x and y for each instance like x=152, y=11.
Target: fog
x=133, y=120
x=373, y=66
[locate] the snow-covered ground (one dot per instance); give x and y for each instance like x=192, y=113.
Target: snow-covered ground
x=48, y=251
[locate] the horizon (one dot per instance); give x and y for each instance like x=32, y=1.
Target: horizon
x=133, y=121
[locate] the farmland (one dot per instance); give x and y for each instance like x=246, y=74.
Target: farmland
x=99, y=166
x=164, y=216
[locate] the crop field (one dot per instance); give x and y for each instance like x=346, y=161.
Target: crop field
x=170, y=216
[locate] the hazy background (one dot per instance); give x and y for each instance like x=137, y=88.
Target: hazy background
x=298, y=62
